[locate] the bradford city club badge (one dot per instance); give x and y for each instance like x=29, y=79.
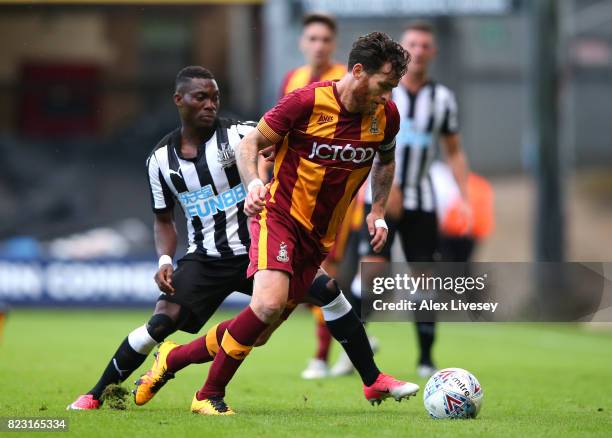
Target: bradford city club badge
x=282, y=253
x=374, y=125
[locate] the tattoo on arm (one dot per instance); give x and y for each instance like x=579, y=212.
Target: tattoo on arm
x=382, y=179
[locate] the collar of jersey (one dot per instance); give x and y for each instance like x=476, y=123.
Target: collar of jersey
x=175, y=142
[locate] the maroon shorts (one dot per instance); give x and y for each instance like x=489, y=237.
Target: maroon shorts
x=280, y=243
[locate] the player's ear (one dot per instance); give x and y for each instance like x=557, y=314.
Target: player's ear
x=178, y=99
x=357, y=71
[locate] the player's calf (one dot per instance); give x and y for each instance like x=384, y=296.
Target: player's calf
x=172, y=358
x=130, y=354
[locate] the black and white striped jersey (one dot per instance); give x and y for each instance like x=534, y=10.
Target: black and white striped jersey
x=208, y=188
x=424, y=116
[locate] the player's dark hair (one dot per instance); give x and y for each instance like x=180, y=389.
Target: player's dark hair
x=421, y=26
x=318, y=17
x=191, y=72
x=374, y=50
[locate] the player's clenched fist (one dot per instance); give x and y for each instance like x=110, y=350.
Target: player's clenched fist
x=256, y=198
x=378, y=229
x=163, y=278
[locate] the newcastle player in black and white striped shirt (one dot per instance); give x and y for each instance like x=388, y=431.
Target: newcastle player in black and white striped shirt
x=428, y=117
x=194, y=166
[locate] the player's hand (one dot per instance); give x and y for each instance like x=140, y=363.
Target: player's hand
x=395, y=203
x=379, y=234
x=255, y=200
x=163, y=278
x=269, y=153
x=465, y=211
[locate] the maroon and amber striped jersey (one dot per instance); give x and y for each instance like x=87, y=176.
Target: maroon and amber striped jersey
x=302, y=76
x=323, y=155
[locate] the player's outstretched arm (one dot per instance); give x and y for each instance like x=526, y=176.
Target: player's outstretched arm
x=383, y=170
x=246, y=160
x=164, y=232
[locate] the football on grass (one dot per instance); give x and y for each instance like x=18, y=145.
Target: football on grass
x=453, y=393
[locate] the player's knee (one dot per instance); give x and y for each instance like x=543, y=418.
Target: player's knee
x=268, y=308
x=270, y=294
x=324, y=289
x=160, y=326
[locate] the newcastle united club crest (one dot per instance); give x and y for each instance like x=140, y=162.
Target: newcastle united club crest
x=225, y=155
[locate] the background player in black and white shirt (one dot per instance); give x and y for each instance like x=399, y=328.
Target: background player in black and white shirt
x=428, y=117
x=195, y=166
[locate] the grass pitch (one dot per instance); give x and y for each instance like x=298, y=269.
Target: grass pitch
x=543, y=380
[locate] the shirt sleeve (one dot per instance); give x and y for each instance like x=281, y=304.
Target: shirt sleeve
x=391, y=127
x=450, y=122
x=161, y=195
x=279, y=120
x=243, y=128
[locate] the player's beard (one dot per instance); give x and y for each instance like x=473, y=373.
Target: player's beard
x=362, y=100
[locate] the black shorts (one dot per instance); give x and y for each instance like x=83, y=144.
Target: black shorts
x=418, y=231
x=203, y=282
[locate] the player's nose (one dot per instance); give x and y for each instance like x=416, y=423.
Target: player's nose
x=210, y=105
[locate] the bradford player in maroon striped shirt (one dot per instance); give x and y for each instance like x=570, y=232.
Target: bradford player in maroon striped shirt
x=328, y=137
